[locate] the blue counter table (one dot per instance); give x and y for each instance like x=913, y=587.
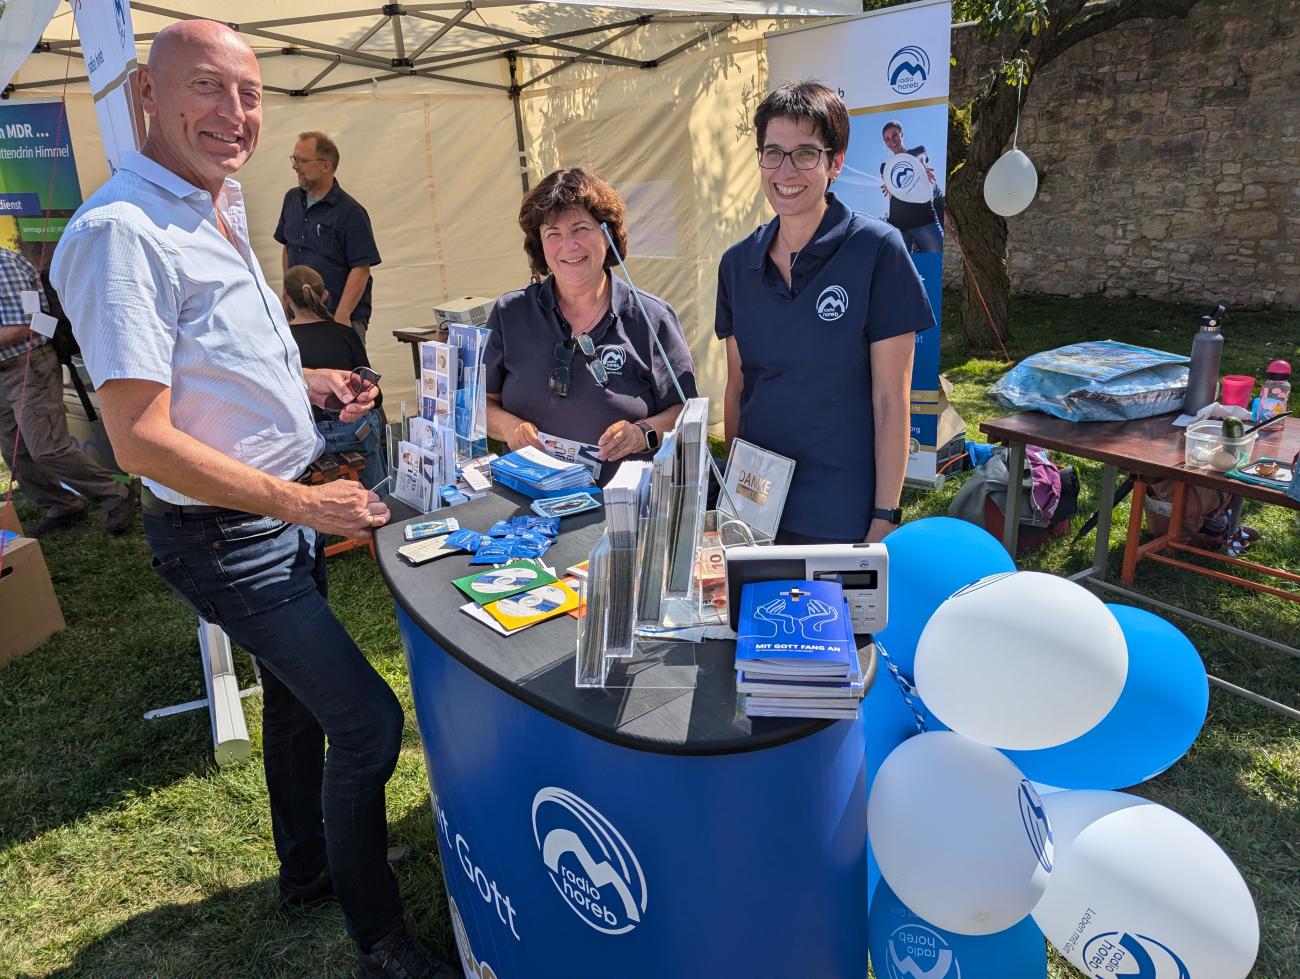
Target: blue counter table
x=638, y=833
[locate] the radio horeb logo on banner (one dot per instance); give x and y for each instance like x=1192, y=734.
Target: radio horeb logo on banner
x=589, y=862
x=1124, y=955
x=119, y=11
x=918, y=952
x=908, y=69
x=832, y=303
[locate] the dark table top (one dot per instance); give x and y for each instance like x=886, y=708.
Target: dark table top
x=1149, y=447
x=537, y=665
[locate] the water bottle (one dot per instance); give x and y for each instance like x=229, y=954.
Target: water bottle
x=1203, y=374
x=1274, y=394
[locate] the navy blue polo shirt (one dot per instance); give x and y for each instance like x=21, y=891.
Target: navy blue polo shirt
x=805, y=353
x=333, y=236
x=527, y=324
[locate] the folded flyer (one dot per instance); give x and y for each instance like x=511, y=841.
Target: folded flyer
x=510, y=579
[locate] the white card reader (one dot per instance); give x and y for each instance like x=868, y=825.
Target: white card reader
x=861, y=569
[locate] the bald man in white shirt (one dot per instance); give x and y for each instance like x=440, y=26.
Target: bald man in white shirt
x=205, y=398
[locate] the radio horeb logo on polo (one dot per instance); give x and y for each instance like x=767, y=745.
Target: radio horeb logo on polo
x=589, y=862
x=1125, y=955
x=832, y=303
x=908, y=69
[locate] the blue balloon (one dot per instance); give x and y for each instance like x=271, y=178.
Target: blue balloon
x=929, y=560
x=906, y=946
x=1157, y=717
x=888, y=722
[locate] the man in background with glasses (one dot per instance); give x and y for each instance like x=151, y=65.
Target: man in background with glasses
x=204, y=396
x=324, y=227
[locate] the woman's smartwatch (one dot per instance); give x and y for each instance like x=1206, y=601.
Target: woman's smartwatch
x=894, y=516
x=652, y=439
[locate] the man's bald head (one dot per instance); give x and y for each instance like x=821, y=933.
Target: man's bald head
x=180, y=42
x=202, y=91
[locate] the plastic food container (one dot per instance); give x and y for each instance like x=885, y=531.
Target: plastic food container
x=1206, y=448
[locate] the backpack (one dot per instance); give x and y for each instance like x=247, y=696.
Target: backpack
x=1208, y=520
x=65, y=346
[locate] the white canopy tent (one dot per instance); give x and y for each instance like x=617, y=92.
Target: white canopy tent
x=444, y=112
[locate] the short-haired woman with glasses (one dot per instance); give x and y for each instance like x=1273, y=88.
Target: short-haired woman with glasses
x=819, y=309
x=572, y=355
x=324, y=343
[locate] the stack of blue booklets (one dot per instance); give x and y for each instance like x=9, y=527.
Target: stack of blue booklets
x=795, y=651
x=535, y=474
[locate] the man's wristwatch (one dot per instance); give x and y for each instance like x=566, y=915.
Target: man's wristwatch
x=894, y=516
x=652, y=439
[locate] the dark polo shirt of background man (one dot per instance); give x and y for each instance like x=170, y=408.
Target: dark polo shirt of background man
x=324, y=227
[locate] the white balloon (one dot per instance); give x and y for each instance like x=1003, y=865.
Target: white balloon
x=1142, y=891
x=1072, y=811
x=959, y=833
x=1021, y=660
x=1011, y=183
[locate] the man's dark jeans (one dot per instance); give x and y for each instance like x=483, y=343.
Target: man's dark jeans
x=263, y=581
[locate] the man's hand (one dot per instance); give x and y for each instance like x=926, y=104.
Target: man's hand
x=620, y=440
x=525, y=433
x=346, y=508
x=323, y=383
x=344, y=321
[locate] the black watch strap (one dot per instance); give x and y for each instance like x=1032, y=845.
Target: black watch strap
x=894, y=516
x=651, y=436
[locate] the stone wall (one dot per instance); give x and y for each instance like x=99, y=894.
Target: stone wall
x=1168, y=154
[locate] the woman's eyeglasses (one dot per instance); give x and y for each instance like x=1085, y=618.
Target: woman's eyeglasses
x=803, y=157
x=360, y=380
x=564, y=355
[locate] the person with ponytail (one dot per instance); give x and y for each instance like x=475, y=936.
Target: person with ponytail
x=322, y=342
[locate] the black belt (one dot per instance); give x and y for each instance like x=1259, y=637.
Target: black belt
x=155, y=507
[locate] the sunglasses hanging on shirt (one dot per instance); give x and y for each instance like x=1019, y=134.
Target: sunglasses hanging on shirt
x=564, y=355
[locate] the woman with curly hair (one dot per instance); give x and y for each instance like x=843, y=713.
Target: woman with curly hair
x=572, y=355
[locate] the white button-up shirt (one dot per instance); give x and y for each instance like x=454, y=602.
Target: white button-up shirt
x=156, y=292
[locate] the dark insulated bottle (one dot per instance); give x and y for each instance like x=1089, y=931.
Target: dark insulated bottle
x=1203, y=374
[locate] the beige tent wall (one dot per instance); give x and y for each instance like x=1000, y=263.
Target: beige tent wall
x=437, y=167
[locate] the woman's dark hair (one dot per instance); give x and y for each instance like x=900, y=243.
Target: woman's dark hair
x=806, y=102
x=570, y=190
x=306, y=290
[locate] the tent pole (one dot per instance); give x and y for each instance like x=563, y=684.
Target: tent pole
x=515, y=90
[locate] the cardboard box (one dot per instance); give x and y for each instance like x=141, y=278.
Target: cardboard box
x=29, y=611
x=9, y=519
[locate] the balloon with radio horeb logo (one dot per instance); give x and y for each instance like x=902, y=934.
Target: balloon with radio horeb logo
x=959, y=835
x=906, y=178
x=1142, y=892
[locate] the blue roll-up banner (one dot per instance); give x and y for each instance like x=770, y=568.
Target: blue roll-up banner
x=891, y=69
x=570, y=857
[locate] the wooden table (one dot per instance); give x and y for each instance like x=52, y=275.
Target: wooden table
x=417, y=336
x=1150, y=449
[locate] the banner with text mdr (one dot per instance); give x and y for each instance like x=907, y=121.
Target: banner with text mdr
x=891, y=69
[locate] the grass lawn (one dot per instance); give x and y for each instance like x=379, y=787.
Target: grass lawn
x=124, y=851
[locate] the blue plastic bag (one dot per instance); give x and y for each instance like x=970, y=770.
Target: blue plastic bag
x=1099, y=380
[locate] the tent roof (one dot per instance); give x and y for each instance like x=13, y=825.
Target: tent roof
x=328, y=45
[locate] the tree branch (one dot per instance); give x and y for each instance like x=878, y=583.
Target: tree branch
x=1100, y=17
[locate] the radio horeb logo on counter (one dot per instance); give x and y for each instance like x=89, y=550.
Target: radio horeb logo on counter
x=589, y=862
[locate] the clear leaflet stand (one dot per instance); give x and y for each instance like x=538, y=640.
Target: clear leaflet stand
x=662, y=654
